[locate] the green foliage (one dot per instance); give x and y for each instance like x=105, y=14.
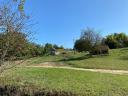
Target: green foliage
x=57, y=47
x=47, y=48
x=20, y=47
x=117, y=40
x=82, y=45
x=16, y=41
x=89, y=39
x=34, y=50
x=101, y=49
x=61, y=47
x=14, y=36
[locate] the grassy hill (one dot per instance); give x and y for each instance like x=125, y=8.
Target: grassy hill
x=83, y=83
x=117, y=59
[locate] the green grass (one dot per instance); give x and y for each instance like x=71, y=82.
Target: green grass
x=79, y=82
x=38, y=60
x=117, y=59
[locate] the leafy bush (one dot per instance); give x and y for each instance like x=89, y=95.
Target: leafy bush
x=82, y=45
x=101, y=49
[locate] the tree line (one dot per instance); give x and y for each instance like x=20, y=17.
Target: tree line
x=92, y=41
x=116, y=40
x=21, y=47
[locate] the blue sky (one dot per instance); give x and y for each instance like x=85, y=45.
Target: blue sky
x=61, y=21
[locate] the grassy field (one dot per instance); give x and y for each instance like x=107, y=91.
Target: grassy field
x=78, y=82
x=83, y=83
x=117, y=59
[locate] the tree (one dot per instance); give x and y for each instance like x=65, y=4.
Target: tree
x=116, y=40
x=13, y=24
x=55, y=46
x=17, y=44
x=34, y=50
x=82, y=45
x=61, y=47
x=92, y=36
x=47, y=48
x=88, y=39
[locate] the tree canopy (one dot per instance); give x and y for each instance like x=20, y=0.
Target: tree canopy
x=88, y=39
x=116, y=40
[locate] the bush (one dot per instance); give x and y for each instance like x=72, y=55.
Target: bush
x=27, y=91
x=82, y=45
x=101, y=49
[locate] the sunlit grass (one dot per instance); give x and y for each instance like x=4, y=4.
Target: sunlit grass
x=80, y=82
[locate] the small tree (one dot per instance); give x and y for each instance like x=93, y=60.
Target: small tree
x=82, y=45
x=89, y=38
x=47, y=48
x=55, y=46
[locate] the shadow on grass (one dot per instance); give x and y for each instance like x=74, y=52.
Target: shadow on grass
x=76, y=58
x=123, y=58
x=124, y=49
x=123, y=54
x=88, y=56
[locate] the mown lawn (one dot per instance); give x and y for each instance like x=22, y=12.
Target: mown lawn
x=79, y=82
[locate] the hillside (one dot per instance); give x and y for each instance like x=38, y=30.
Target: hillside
x=117, y=60
x=82, y=83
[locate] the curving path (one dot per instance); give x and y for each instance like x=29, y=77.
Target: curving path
x=54, y=65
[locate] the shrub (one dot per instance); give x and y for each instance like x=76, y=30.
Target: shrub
x=82, y=45
x=101, y=49
x=27, y=91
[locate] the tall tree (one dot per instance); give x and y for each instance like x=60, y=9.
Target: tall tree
x=13, y=24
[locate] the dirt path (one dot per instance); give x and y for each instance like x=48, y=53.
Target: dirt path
x=61, y=65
